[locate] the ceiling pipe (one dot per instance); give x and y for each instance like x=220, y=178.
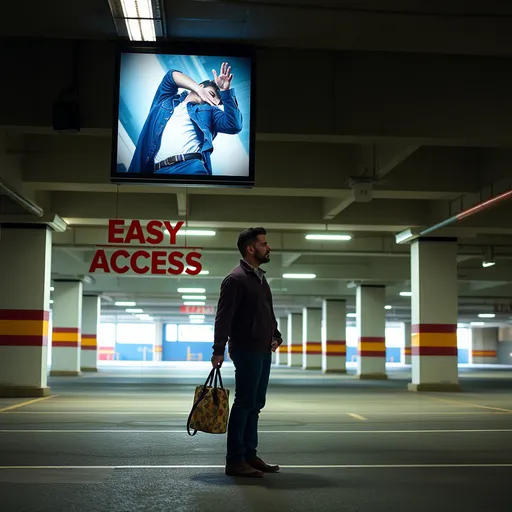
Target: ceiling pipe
x=22, y=201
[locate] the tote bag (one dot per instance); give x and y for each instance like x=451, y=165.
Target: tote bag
x=210, y=410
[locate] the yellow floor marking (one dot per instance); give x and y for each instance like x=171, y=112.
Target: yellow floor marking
x=467, y=404
x=356, y=416
x=23, y=404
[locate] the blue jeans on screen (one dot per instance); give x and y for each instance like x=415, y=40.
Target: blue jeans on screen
x=252, y=372
x=189, y=167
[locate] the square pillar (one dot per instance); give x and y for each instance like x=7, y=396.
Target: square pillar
x=282, y=351
x=334, y=344
x=90, y=322
x=407, y=350
x=484, y=345
x=371, y=332
x=25, y=273
x=159, y=341
x=67, y=323
x=434, y=315
x=312, y=339
x=295, y=339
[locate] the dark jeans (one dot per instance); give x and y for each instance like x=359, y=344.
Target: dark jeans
x=188, y=167
x=252, y=372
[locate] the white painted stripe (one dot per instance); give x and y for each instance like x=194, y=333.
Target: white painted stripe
x=147, y=431
x=291, y=466
x=357, y=416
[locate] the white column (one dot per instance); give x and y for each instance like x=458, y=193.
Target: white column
x=484, y=345
x=282, y=351
x=407, y=351
x=67, y=323
x=312, y=339
x=159, y=341
x=434, y=315
x=295, y=339
x=371, y=330
x=334, y=344
x=90, y=322
x=25, y=271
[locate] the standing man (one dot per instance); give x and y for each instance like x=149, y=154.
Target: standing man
x=245, y=317
x=178, y=135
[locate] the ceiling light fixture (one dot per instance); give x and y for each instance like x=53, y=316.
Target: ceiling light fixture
x=191, y=290
x=299, y=276
x=52, y=288
x=406, y=294
x=388, y=307
x=194, y=232
x=138, y=15
x=134, y=310
x=125, y=304
x=326, y=236
x=194, y=303
x=486, y=264
x=486, y=315
x=145, y=317
x=196, y=317
x=476, y=323
x=194, y=297
x=351, y=315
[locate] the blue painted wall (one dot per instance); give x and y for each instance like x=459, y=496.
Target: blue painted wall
x=393, y=354
x=177, y=350
x=133, y=351
x=463, y=355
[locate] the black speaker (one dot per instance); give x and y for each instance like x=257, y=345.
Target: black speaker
x=66, y=117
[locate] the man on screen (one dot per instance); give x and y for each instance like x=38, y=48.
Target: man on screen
x=177, y=137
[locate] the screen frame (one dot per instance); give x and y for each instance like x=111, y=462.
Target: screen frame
x=183, y=48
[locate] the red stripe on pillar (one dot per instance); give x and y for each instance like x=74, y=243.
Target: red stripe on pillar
x=84, y=347
x=62, y=344
x=372, y=338
x=434, y=351
x=433, y=328
x=7, y=340
x=66, y=329
x=24, y=314
x=88, y=336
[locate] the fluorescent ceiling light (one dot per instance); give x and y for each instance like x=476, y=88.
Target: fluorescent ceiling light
x=202, y=273
x=299, y=276
x=194, y=303
x=460, y=325
x=191, y=290
x=194, y=232
x=486, y=264
x=352, y=315
x=486, y=315
x=477, y=323
x=126, y=304
x=196, y=317
x=134, y=310
x=51, y=301
x=326, y=236
x=194, y=297
x=197, y=321
x=139, y=19
x=52, y=288
x=145, y=317
x=406, y=294
x=388, y=307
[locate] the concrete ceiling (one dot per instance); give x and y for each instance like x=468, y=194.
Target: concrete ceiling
x=429, y=125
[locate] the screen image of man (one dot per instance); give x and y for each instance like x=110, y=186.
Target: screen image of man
x=178, y=134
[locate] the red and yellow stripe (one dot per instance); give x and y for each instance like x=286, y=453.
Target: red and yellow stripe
x=24, y=327
x=66, y=337
x=372, y=346
x=106, y=353
x=336, y=348
x=313, y=348
x=408, y=351
x=157, y=348
x=89, y=342
x=294, y=349
x=484, y=353
x=434, y=339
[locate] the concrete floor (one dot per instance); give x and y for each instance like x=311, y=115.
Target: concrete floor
x=116, y=441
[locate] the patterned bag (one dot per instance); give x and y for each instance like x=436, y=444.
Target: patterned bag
x=211, y=407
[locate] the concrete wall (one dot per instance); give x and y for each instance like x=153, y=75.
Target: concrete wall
x=505, y=345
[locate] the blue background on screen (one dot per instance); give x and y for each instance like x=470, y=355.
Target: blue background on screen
x=140, y=77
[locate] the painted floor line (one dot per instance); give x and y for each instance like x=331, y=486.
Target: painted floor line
x=183, y=431
x=290, y=466
x=356, y=416
x=467, y=404
x=28, y=402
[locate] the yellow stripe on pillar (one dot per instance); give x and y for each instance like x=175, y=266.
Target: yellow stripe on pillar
x=432, y=339
x=24, y=327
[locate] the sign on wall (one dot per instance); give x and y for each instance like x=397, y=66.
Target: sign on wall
x=150, y=250
x=197, y=310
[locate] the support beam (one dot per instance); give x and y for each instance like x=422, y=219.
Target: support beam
x=181, y=197
x=288, y=258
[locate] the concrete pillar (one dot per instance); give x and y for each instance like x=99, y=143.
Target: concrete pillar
x=484, y=345
x=434, y=315
x=334, y=344
x=25, y=271
x=371, y=332
x=407, y=350
x=159, y=341
x=67, y=323
x=312, y=339
x=295, y=339
x=90, y=321
x=282, y=351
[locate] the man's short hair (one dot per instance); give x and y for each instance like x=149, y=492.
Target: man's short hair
x=248, y=237
x=211, y=83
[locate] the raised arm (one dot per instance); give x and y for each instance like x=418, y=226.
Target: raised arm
x=226, y=307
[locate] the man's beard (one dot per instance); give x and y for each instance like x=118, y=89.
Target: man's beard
x=263, y=258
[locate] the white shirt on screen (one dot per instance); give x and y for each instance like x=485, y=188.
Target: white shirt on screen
x=179, y=135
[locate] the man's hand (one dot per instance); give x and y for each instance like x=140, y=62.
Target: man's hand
x=208, y=96
x=275, y=345
x=217, y=361
x=223, y=80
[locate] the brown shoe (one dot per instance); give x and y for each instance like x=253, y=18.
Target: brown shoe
x=260, y=465
x=242, y=469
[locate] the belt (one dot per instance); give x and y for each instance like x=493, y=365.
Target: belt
x=178, y=158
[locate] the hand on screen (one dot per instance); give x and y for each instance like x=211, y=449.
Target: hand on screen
x=223, y=80
x=208, y=96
